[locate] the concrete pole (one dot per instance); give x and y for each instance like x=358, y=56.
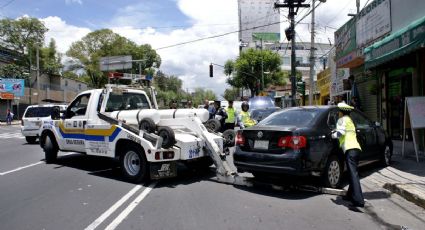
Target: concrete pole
x=312, y=59
x=38, y=75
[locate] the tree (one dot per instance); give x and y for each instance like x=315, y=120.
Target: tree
x=12, y=71
x=202, y=94
x=247, y=70
x=23, y=36
x=102, y=43
x=50, y=59
x=230, y=94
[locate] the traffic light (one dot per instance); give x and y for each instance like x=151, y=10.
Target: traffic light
x=211, y=70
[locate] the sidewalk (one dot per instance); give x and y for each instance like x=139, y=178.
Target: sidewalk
x=405, y=176
x=14, y=122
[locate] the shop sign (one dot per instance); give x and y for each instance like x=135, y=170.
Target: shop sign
x=345, y=39
x=269, y=37
x=7, y=96
x=373, y=22
x=337, y=83
x=323, y=81
x=13, y=86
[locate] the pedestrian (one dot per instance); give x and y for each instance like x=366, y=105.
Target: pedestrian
x=9, y=117
x=346, y=134
x=173, y=105
x=220, y=114
x=244, y=119
x=355, y=99
x=231, y=117
x=189, y=105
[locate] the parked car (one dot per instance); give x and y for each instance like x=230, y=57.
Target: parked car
x=33, y=119
x=261, y=107
x=297, y=141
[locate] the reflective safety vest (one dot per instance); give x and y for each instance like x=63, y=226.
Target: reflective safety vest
x=246, y=119
x=348, y=137
x=231, y=115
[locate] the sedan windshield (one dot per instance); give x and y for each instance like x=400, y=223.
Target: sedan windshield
x=293, y=117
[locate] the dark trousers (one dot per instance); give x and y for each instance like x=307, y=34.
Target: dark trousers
x=354, y=192
x=229, y=126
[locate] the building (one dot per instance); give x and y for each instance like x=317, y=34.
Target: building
x=302, y=53
x=383, y=47
x=257, y=13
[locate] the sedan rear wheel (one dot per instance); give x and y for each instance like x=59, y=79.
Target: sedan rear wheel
x=333, y=172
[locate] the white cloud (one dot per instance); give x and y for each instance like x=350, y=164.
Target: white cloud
x=68, y=2
x=190, y=62
x=63, y=33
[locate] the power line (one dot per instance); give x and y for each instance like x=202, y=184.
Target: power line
x=6, y=4
x=219, y=35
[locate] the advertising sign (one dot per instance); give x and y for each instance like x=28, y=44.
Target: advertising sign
x=345, y=39
x=12, y=85
x=373, y=22
x=337, y=82
x=270, y=37
x=115, y=63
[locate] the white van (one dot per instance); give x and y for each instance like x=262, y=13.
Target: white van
x=34, y=118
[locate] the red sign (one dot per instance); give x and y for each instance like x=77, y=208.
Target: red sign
x=7, y=96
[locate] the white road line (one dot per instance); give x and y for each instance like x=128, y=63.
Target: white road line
x=130, y=207
x=112, y=209
x=20, y=168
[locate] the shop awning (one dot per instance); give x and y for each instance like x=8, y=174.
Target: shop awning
x=397, y=44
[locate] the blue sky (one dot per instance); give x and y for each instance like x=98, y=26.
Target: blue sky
x=166, y=22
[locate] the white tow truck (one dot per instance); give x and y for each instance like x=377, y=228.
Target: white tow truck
x=124, y=123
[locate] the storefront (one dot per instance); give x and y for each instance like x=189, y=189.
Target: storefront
x=398, y=60
x=323, y=84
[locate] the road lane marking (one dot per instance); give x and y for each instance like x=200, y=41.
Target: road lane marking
x=20, y=168
x=130, y=207
x=112, y=209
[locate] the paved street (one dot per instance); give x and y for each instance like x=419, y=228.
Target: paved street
x=82, y=192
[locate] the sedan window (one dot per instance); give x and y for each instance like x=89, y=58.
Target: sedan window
x=359, y=120
x=298, y=117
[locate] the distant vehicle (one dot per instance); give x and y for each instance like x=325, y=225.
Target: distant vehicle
x=261, y=107
x=297, y=141
x=33, y=119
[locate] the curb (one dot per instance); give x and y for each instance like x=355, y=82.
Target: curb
x=406, y=194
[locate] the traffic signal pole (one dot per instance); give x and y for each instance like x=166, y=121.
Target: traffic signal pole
x=293, y=6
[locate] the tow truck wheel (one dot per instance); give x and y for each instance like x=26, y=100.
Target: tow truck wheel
x=134, y=164
x=168, y=137
x=213, y=125
x=31, y=140
x=148, y=125
x=229, y=137
x=50, y=148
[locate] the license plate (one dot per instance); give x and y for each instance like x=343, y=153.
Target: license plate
x=261, y=144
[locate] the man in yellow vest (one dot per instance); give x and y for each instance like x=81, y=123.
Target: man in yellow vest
x=231, y=117
x=346, y=134
x=245, y=120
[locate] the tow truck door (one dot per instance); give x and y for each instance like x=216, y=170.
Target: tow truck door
x=72, y=128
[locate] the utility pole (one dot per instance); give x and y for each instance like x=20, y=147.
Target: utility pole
x=293, y=6
x=358, y=6
x=262, y=65
x=312, y=59
x=38, y=75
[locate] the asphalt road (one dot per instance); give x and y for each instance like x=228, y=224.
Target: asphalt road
x=81, y=192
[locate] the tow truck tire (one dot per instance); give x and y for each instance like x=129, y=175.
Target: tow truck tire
x=148, y=125
x=31, y=140
x=50, y=148
x=134, y=164
x=332, y=175
x=229, y=137
x=168, y=137
x=213, y=125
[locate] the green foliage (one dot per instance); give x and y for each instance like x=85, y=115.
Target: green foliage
x=103, y=43
x=12, y=71
x=231, y=94
x=247, y=70
x=169, y=89
x=202, y=94
x=50, y=61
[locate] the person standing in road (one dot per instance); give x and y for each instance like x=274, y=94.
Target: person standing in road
x=346, y=134
x=245, y=120
x=9, y=117
x=231, y=117
x=220, y=114
x=189, y=105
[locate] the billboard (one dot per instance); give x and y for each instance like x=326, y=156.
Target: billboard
x=12, y=85
x=115, y=63
x=373, y=22
x=345, y=39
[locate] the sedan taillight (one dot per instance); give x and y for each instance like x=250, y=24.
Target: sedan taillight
x=240, y=139
x=293, y=142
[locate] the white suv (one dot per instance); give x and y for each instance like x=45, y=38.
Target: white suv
x=33, y=119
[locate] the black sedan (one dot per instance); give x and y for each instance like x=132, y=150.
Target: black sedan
x=297, y=141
